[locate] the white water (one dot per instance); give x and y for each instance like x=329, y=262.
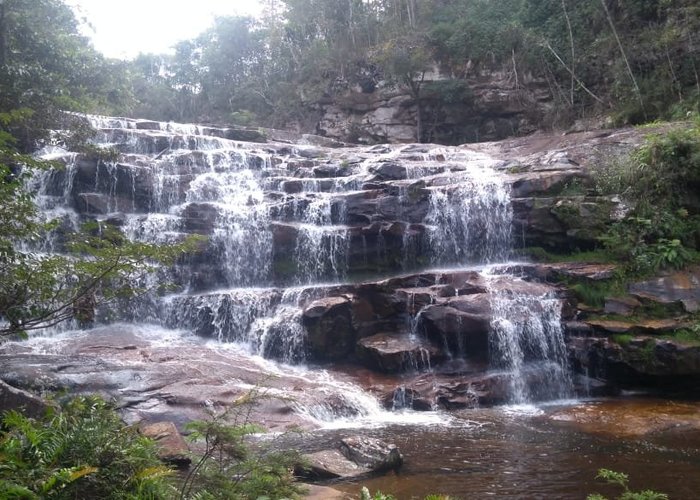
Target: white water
x=231, y=191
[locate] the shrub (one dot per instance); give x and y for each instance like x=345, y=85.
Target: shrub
x=83, y=451
x=229, y=468
x=621, y=479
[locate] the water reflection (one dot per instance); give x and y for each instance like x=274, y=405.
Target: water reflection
x=520, y=452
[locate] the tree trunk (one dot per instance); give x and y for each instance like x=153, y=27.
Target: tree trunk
x=3, y=36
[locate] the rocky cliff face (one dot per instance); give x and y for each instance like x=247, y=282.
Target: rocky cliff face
x=488, y=106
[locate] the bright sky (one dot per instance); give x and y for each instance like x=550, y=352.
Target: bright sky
x=123, y=28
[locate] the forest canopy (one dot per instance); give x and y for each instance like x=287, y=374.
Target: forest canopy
x=633, y=61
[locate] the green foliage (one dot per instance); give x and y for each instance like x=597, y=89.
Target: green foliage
x=621, y=480
x=622, y=339
x=229, y=468
x=661, y=182
x=83, y=451
x=378, y=495
x=48, y=67
x=594, y=293
x=688, y=336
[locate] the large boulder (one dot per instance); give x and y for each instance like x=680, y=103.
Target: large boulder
x=676, y=287
x=328, y=321
x=462, y=323
x=12, y=398
x=171, y=446
x=372, y=453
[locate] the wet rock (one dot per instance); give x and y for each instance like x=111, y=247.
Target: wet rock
x=395, y=352
x=390, y=171
x=462, y=322
x=326, y=171
x=481, y=390
x=402, y=398
x=330, y=464
x=12, y=398
x=147, y=125
x=242, y=134
x=328, y=322
x=371, y=453
x=172, y=448
x=199, y=218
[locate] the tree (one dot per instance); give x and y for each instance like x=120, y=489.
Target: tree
x=47, y=66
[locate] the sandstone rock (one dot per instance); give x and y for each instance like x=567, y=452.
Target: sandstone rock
x=395, y=352
x=371, y=453
x=172, y=447
x=12, y=398
x=329, y=324
x=330, y=464
x=682, y=287
x=462, y=322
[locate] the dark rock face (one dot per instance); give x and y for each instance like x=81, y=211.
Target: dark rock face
x=328, y=321
x=397, y=352
x=12, y=398
x=641, y=361
x=463, y=323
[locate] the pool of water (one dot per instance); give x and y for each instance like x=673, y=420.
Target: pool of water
x=540, y=452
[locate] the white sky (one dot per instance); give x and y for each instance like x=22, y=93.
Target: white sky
x=123, y=28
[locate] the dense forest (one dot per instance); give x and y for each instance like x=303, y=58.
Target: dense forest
x=631, y=62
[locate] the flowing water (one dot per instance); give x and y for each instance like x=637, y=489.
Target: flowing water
x=287, y=225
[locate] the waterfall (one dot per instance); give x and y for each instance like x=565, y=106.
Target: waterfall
x=471, y=222
x=527, y=343
x=282, y=222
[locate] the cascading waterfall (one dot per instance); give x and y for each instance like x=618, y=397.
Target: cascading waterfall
x=261, y=204
x=527, y=343
x=472, y=222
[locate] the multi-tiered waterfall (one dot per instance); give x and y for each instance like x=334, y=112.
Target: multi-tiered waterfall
x=329, y=254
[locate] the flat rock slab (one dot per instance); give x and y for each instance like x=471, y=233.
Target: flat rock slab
x=632, y=418
x=650, y=326
x=683, y=287
x=156, y=375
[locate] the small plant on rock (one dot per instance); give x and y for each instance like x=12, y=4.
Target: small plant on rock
x=229, y=468
x=622, y=480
